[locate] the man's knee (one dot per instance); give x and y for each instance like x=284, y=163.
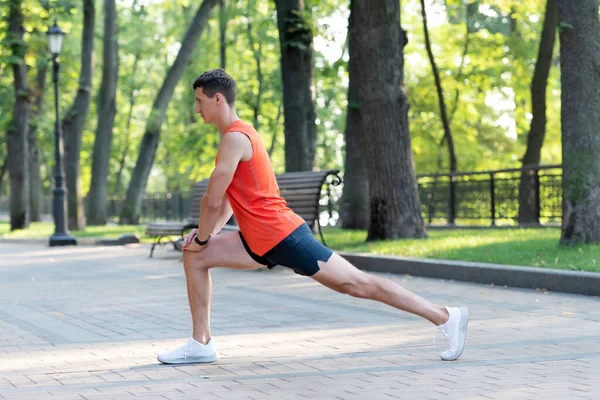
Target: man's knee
x=362, y=286
x=195, y=260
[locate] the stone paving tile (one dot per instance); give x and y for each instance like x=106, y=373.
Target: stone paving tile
x=87, y=323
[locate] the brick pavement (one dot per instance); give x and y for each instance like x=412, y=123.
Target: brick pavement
x=87, y=323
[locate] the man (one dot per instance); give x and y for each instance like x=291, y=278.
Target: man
x=243, y=183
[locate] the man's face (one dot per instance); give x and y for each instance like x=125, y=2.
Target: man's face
x=207, y=107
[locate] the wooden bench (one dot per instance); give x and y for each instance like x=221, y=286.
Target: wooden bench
x=301, y=190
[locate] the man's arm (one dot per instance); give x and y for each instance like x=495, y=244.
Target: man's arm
x=224, y=215
x=230, y=153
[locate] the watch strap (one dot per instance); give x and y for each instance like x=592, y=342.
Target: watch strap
x=202, y=242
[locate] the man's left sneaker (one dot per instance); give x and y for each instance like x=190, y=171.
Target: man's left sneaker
x=191, y=352
x=454, y=332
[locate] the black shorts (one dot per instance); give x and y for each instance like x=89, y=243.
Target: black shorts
x=299, y=251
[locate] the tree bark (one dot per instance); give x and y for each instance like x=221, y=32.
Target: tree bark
x=257, y=53
x=580, y=119
x=18, y=152
x=296, y=43
x=35, y=181
x=354, y=208
x=2, y=173
x=223, y=33
x=459, y=73
x=528, y=190
x=275, y=131
x=107, y=110
x=74, y=122
x=393, y=194
x=132, y=90
x=440, y=92
x=131, y=208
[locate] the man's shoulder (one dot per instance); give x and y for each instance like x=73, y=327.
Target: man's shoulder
x=236, y=141
x=245, y=127
x=236, y=137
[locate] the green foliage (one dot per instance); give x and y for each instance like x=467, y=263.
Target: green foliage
x=492, y=108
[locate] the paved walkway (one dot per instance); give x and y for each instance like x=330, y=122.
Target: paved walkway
x=87, y=323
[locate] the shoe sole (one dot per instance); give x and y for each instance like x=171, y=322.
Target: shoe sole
x=464, y=321
x=191, y=360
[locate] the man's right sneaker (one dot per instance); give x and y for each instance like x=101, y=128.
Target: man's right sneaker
x=191, y=352
x=454, y=332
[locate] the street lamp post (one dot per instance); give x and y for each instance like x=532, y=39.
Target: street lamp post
x=60, y=237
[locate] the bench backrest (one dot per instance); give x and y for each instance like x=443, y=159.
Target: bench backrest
x=301, y=190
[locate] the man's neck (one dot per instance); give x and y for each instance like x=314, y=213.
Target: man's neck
x=226, y=122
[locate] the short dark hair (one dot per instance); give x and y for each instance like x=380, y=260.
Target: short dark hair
x=216, y=81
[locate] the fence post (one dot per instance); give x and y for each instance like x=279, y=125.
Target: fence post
x=113, y=208
x=154, y=207
x=144, y=206
x=493, y=199
x=536, y=177
x=169, y=206
x=179, y=195
x=329, y=205
x=430, y=206
x=452, y=202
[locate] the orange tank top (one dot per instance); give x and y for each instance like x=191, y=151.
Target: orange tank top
x=261, y=213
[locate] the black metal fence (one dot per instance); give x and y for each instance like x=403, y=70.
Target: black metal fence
x=486, y=197
x=169, y=206
x=489, y=195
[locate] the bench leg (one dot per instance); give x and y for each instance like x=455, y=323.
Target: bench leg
x=152, y=248
x=178, y=243
x=321, y=233
x=154, y=245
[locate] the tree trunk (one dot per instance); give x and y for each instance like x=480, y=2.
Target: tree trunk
x=257, y=53
x=440, y=92
x=528, y=190
x=354, y=208
x=580, y=119
x=74, y=122
x=275, y=131
x=18, y=152
x=35, y=181
x=296, y=43
x=393, y=194
x=131, y=208
x=223, y=32
x=2, y=173
x=107, y=110
x=471, y=9
x=117, y=189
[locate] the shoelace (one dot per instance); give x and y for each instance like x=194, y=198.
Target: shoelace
x=189, y=345
x=443, y=335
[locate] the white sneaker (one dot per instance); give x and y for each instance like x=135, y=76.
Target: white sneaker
x=454, y=332
x=191, y=352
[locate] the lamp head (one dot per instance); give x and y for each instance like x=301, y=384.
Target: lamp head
x=55, y=39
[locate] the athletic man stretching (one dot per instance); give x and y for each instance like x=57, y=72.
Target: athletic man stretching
x=270, y=234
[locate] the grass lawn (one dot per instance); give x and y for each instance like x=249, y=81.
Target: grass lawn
x=525, y=247
x=46, y=229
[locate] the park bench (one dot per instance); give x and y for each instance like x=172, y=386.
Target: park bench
x=301, y=190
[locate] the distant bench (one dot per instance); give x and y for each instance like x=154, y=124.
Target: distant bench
x=301, y=190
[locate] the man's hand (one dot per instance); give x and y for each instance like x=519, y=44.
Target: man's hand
x=189, y=244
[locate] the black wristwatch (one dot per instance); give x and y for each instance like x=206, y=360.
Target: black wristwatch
x=202, y=243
